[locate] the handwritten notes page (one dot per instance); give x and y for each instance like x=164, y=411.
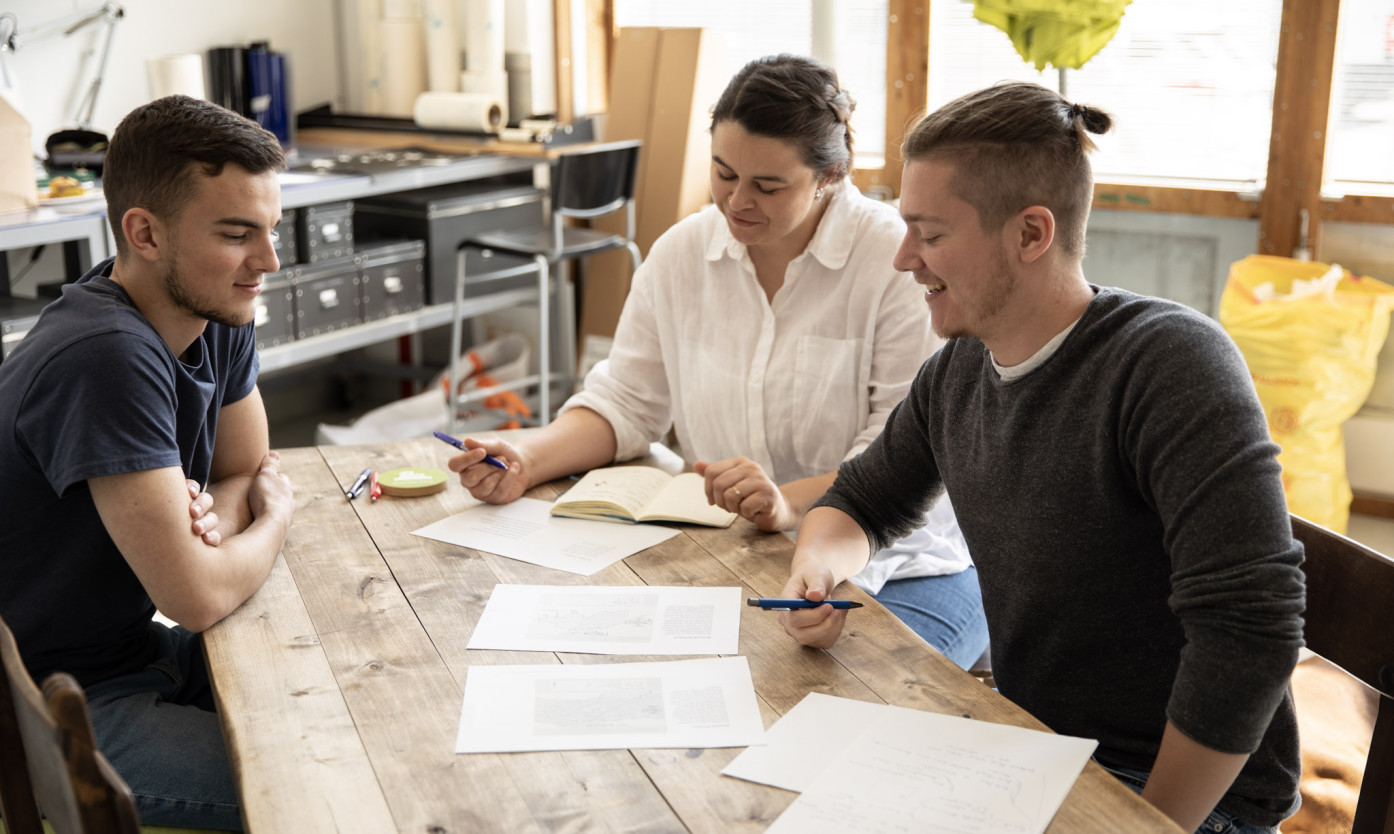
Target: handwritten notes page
x=682, y=703
x=525, y=531
x=905, y=771
x=634, y=619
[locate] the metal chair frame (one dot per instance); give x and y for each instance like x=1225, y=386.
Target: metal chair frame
x=562, y=243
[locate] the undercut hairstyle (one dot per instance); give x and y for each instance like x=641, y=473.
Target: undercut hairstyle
x=159, y=149
x=797, y=100
x=1015, y=145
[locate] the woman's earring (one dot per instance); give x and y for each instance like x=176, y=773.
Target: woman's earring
x=818, y=195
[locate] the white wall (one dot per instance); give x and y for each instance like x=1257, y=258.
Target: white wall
x=52, y=77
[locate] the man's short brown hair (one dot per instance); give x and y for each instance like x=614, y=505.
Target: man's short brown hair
x=159, y=148
x=1016, y=145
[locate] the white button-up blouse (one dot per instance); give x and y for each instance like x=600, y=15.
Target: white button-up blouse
x=798, y=384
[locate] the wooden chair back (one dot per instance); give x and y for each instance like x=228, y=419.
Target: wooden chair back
x=1350, y=600
x=48, y=754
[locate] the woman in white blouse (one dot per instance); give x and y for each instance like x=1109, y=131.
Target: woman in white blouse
x=771, y=331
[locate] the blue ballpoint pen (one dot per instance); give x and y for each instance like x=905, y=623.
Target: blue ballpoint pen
x=358, y=484
x=460, y=444
x=771, y=604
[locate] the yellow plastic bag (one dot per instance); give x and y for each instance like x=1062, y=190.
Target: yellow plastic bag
x=1311, y=334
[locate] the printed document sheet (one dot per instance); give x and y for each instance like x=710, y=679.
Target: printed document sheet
x=708, y=702
x=630, y=619
x=805, y=739
x=907, y=770
x=525, y=531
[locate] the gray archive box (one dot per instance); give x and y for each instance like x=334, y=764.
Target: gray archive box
x=447, y=215
x=326, y=297
x=286, y=233
x=325, y=232
x=17, y=316
x=275, y=315
x=391, y=278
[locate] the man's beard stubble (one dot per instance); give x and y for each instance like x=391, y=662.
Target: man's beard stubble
x=182, y=299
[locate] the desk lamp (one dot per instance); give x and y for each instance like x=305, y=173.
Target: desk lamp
x=82, y=147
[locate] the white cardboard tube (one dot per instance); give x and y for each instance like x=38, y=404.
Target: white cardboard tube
x=442, y=46
x=482, y=22
x=403, y=67
x=176, y=75
x=460, y=111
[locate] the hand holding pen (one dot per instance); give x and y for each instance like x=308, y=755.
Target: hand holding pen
x=816, y=625
x=460, y=444
x=498, y=478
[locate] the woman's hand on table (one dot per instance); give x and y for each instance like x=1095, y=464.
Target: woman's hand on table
x=485, y=481
x=741, y=486
x=817, y=627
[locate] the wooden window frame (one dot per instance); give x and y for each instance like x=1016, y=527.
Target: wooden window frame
x=1297, y=149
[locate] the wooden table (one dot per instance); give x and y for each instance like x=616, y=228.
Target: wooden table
x=340, y=682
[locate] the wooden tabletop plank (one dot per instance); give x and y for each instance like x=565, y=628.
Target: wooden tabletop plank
x=404, y=701
x=447, y=587
x=290, y=686
x=373, y=592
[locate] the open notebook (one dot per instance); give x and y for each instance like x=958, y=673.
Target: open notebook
x=641, y=493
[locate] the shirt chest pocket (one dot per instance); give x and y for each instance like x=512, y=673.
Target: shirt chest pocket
x=829, y=400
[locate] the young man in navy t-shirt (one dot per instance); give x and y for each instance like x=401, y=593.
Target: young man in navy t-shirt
x=135, y=461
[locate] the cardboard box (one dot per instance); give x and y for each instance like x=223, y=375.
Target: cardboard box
x=17, y=189
x=691, y=75
x=664, y=84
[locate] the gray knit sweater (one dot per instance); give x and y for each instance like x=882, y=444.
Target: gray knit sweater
x=1123, y=505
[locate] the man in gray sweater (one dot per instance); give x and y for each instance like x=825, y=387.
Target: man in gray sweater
x=1111, y=468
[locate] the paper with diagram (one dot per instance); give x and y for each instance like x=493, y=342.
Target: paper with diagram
x=629, y=619
x=709, y=702
x=911, y=771
x=524, y=530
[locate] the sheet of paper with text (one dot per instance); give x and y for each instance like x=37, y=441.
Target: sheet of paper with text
x=708, y=702
x=630, y=619
x=911, y=771
x=525, y=531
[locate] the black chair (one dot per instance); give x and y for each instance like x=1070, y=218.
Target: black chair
x=47, y=752
x=586, y=183
x=1350, y=595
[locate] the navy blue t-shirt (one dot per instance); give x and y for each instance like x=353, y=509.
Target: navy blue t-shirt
x=93, y=390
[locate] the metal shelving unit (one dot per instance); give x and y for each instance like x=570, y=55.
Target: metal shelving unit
x=301, y=351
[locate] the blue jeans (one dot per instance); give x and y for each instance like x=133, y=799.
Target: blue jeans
x=159, y=730
x=947, y=611
x=1217, y=823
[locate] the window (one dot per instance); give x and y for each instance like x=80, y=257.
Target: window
x=1189, y=83
x=1362, y=101
x=754, y=29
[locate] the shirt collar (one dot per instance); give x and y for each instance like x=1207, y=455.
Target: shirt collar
x=832, y=241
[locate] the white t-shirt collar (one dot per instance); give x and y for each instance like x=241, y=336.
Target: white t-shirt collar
x=1036, y=360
